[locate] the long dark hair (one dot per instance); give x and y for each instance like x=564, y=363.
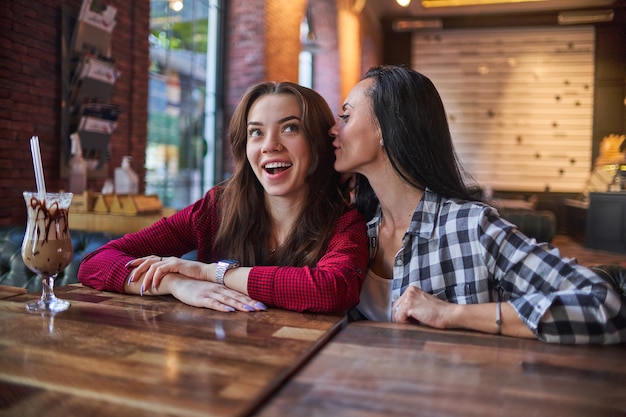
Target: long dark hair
x=245, y=228
x=416, y=136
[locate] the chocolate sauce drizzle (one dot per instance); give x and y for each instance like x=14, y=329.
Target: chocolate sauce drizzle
x=53, y=215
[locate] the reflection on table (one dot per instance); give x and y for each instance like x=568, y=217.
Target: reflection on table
x=122, y=355
x=383, y=369
x=9, y=291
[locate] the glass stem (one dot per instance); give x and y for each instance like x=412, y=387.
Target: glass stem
x=47, y=288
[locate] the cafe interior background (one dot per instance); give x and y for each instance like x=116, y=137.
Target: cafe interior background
x=531, y=87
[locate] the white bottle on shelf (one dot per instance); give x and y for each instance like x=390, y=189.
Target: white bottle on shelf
x=78, y=167
x=126, y=180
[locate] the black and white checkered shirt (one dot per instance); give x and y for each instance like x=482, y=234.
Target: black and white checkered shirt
x=465, y=253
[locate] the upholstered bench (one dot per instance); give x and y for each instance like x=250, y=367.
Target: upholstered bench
x=538, y=224
x=13, y=272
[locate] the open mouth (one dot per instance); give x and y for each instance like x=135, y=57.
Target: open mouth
x=276, y=167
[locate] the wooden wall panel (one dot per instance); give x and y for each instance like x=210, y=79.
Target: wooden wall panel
x=519, y=102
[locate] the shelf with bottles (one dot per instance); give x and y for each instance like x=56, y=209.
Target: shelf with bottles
x=88, y=76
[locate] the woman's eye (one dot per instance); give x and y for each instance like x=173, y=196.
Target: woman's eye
x=254, y=133
x=291, y=128
x=344, y=117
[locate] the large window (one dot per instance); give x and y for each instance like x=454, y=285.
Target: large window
x=180, y=152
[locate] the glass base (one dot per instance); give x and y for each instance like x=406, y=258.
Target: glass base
x=53, y=305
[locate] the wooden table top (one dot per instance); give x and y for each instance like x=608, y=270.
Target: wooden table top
x=9, y=291
x=382, y=369
x=121, y=355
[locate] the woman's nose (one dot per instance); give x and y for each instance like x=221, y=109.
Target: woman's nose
x=333, y=131
x=272, y=143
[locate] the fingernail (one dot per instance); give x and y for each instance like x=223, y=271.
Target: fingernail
x=249, y=308
x=261, y=306
x=141, y=290
x=229, y=308
x=128, y=263
x=130, y=278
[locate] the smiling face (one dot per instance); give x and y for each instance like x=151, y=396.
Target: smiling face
x=357, y=134
x=276, y=147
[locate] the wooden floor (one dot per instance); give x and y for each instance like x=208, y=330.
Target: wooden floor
x=589, y=257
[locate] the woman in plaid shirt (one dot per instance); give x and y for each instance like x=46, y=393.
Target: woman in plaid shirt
x=280, y=232
x=440, y=257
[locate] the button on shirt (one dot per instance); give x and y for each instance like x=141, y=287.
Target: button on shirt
x=464, y=253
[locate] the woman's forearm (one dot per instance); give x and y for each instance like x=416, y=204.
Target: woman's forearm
x=237, y=279
x=482, y=318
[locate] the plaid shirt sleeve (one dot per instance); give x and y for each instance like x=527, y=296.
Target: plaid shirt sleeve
x=333, y=285
x=558, y=299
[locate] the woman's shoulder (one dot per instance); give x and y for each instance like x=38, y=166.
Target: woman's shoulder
x=205, y=206
x=351, y=212
x=349, y=217
x=211, y=197
x=215, y=192
x=474, y=207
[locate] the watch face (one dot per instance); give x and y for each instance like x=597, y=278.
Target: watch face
x=230, y=263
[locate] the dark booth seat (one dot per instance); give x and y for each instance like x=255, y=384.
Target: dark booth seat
x=13, y=272
x=538, y=224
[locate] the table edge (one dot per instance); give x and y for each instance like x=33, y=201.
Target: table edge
x=268, y=393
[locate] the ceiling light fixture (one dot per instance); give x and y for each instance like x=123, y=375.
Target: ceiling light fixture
x=403, y=3
x=454, y=3
x=176, y=5
x=585, y=17
x=409, y=25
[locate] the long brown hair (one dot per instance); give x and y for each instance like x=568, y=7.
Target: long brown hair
x=245, y=227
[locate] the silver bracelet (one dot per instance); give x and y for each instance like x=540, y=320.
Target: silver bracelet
x=499, y=317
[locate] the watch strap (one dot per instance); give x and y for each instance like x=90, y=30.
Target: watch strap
x=222, y=267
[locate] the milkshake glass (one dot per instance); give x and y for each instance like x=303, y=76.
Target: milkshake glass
x=47, y=246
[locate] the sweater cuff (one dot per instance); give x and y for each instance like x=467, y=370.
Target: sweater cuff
x=120, y=275
x=261, y=283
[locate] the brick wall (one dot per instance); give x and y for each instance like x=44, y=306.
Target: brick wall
x=263, y=42
x=282, y=38
x=245, y=63
x=326, y=58
x=30, y=94
x=245, y=53
x=371, y=41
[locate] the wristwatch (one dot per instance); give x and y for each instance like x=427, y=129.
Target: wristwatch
x=221, y=268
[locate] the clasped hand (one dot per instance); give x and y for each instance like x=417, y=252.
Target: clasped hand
x=418, y=305
x=188, y=281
